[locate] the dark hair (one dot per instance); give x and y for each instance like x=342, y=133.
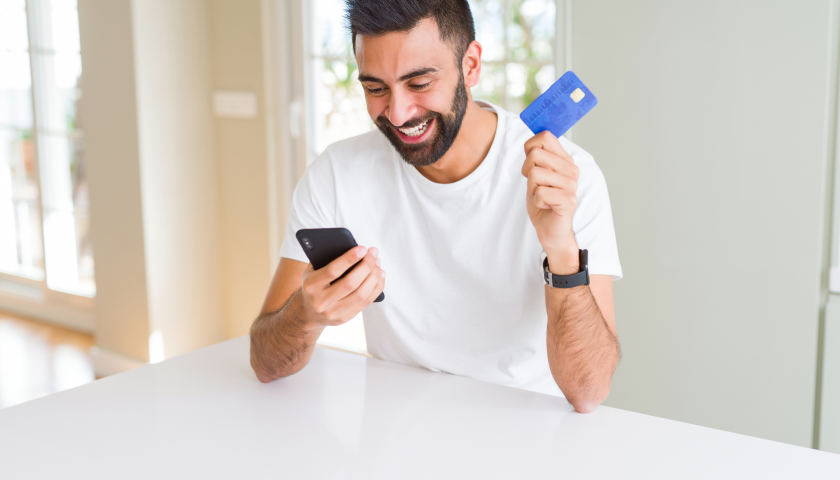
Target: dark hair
x=378, y=17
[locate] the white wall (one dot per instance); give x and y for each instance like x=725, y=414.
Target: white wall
x=181, y=199
x=178, y=170
x=112, y=153
x=712, y=133
x=244, y=163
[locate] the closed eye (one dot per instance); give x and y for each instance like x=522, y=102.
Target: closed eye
x=421, y=86
x=375, y=91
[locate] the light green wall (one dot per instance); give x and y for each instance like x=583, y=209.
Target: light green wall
x=711, y=131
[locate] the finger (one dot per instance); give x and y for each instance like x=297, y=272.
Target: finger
x=547, y=141
x=337, y=267
x=361, y=296
x=550, y=161
x=558, y=200
x=541, y=177
x=344, y=287
x=380, y=286
x=349, y=306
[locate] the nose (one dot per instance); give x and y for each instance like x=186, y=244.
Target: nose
x=400, y=108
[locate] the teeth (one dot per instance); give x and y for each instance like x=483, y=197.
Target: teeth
x=415, y=131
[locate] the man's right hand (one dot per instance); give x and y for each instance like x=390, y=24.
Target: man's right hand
x=329, y=304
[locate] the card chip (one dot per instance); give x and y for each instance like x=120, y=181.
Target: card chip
x=577, y=95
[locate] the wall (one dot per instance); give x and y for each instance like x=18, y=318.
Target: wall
x=113, y=156
x=179, y=178
x=181, y=200
x=243, y=163
x=712, y=132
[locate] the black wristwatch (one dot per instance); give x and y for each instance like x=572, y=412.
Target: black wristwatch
x=568, y=281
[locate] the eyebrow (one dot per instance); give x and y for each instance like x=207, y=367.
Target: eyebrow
x=416, y=73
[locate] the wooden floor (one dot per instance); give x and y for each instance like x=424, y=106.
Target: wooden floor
x=37, y=359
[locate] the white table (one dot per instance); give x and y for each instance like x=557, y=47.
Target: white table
x=204, y=415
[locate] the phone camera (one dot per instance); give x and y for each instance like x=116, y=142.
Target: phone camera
x=307, y=243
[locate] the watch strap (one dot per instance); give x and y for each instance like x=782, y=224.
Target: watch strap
x=569, y=281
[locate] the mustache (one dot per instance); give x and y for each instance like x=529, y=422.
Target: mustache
x=382, y=120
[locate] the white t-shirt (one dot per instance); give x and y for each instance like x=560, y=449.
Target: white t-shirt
x=464, y=291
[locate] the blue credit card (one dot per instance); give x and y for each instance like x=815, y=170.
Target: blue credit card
x=559, y=107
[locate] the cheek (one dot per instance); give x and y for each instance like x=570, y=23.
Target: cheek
x=436, y=101
x=376, y=106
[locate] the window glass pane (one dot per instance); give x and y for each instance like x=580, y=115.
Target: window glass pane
x=340, y=109
x=338, y=99
x=12, y=26
x=330, y=37
x=491, y=86
x=21, y=252
x=15, y=93
x=517, y=37
x=13, y=4
x=56, y=65
x=65, y=26
x=81, y=213
x=531, y=31
x=525, y=82
x=488, y=16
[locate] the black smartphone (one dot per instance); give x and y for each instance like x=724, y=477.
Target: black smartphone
x=323, y=245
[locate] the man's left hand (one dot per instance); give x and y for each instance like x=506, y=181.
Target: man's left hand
x=551, y=200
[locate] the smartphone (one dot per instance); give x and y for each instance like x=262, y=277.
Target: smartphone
x=323, y=245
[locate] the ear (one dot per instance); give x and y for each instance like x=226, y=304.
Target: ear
x=471, y=64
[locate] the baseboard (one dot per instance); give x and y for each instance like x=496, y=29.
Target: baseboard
x=63, y=316
x=106, y=362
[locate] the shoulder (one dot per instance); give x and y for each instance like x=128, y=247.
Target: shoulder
x=516, y=133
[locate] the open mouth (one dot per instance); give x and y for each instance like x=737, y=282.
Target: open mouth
x=415, y=134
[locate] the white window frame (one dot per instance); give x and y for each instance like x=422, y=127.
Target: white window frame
x=32, y=297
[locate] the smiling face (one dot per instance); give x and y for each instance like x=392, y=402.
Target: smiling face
x=414, y=89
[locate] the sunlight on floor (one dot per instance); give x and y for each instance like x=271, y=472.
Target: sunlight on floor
x=37, y=359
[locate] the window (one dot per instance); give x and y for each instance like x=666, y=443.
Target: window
x=43, y=192
x=518, y=63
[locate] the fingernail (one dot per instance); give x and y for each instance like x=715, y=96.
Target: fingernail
x=375, y=252
x=361, y=252
x=378, y=262
x=383, y=273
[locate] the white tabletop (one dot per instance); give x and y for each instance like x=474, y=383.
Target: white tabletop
x=204, y=415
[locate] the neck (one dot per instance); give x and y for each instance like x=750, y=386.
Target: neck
x=478, y=129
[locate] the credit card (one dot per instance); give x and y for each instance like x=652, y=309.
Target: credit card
x=559, y=107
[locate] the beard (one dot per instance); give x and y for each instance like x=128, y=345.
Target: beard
x=447, y=127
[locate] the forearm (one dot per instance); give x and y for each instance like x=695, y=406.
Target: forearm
x=282, y=341
x=582, y=350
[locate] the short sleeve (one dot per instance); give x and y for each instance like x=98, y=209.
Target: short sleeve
x=313, y=205
x=593, y=221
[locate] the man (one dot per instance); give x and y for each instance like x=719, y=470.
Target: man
x=437, y=193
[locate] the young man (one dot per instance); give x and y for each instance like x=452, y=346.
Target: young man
x=462, y=204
